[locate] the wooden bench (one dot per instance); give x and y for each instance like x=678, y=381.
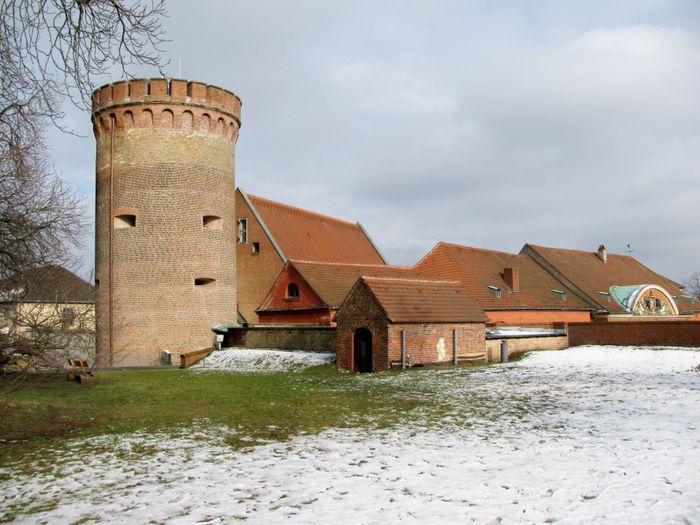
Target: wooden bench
x=190, y=358
x=80, y=371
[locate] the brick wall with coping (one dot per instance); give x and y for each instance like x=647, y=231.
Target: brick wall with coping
x=524, y=344
x=307, y=338
x=652, y=333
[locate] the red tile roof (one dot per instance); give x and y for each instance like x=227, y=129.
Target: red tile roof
x=333, y=281
x=478, y=269
x=51, y=283
x=305, y=235
x=424, y=301
x=587, y=272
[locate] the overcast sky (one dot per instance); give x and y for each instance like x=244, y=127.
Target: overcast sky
x=484, y=123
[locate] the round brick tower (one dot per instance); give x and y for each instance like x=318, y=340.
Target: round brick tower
x=165, y=220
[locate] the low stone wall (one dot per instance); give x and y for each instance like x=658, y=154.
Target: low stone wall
x=309, y=338
x=646, y=333
x=518, y=345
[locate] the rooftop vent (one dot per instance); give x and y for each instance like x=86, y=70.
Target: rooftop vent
x=602, y=253
x=495, y=289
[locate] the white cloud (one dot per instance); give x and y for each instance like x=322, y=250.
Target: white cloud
x=381, y=88
x=475, y=122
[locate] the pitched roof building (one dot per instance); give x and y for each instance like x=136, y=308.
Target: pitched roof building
x=47, y=284
x=271, y=233
x=385, y=322
x=424, y=301
x=510, y=288
x=311, y=292
x=613, y=284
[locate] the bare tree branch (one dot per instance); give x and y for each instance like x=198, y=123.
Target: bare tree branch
x=52, y=50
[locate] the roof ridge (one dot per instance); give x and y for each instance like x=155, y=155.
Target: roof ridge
x=371, y=265
x=404, y=279
x=474, y=248
x=578, y=250
x=303, y=211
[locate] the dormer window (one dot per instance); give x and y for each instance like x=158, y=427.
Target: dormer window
x=560, y=293
x=496, y=290
x=292, y=291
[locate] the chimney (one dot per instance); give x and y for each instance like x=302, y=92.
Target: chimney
x=602, y=253
x=512, y=278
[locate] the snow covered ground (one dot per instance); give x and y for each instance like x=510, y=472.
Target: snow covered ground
x=244, y=360
x=586, y=435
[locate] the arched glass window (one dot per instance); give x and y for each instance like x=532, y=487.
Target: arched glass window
x=292, y=291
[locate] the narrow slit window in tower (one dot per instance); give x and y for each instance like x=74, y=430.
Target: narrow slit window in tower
x=211, y=222
x=124, y=221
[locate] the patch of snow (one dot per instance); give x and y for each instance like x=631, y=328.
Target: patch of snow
x=516, y=331
x=585, y=435
x=265, y=360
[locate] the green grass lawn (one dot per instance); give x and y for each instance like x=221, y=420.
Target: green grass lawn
x=258, y=405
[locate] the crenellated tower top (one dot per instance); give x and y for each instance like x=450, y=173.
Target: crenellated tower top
x=162, y=103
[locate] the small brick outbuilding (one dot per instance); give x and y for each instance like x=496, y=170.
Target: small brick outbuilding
x=387, y=322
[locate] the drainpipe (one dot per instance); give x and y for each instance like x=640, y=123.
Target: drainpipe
x=111, y=241
x=403, y=349
x=454, y=344
x=504, y=351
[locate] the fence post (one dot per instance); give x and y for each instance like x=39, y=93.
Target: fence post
x=454, y=343
x=403, y=349
x=504, y=351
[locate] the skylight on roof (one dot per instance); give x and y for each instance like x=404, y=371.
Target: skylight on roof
x=560, y=293
x=495, y=289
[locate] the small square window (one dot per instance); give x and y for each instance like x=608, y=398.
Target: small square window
x=255, y=248
x=67, y=318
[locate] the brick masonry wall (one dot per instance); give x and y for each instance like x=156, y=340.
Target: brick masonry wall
x=524, y=344
x=310, y=339
x=658, y=333
x=543, y=318
x=256, y=273
x=172, y=164
x=432, y=343
x=360, y=310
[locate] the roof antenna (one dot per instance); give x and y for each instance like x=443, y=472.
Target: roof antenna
x=629, y=251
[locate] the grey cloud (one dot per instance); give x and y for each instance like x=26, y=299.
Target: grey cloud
x=560, y=123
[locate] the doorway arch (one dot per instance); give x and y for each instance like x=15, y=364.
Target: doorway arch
x=362, y=349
